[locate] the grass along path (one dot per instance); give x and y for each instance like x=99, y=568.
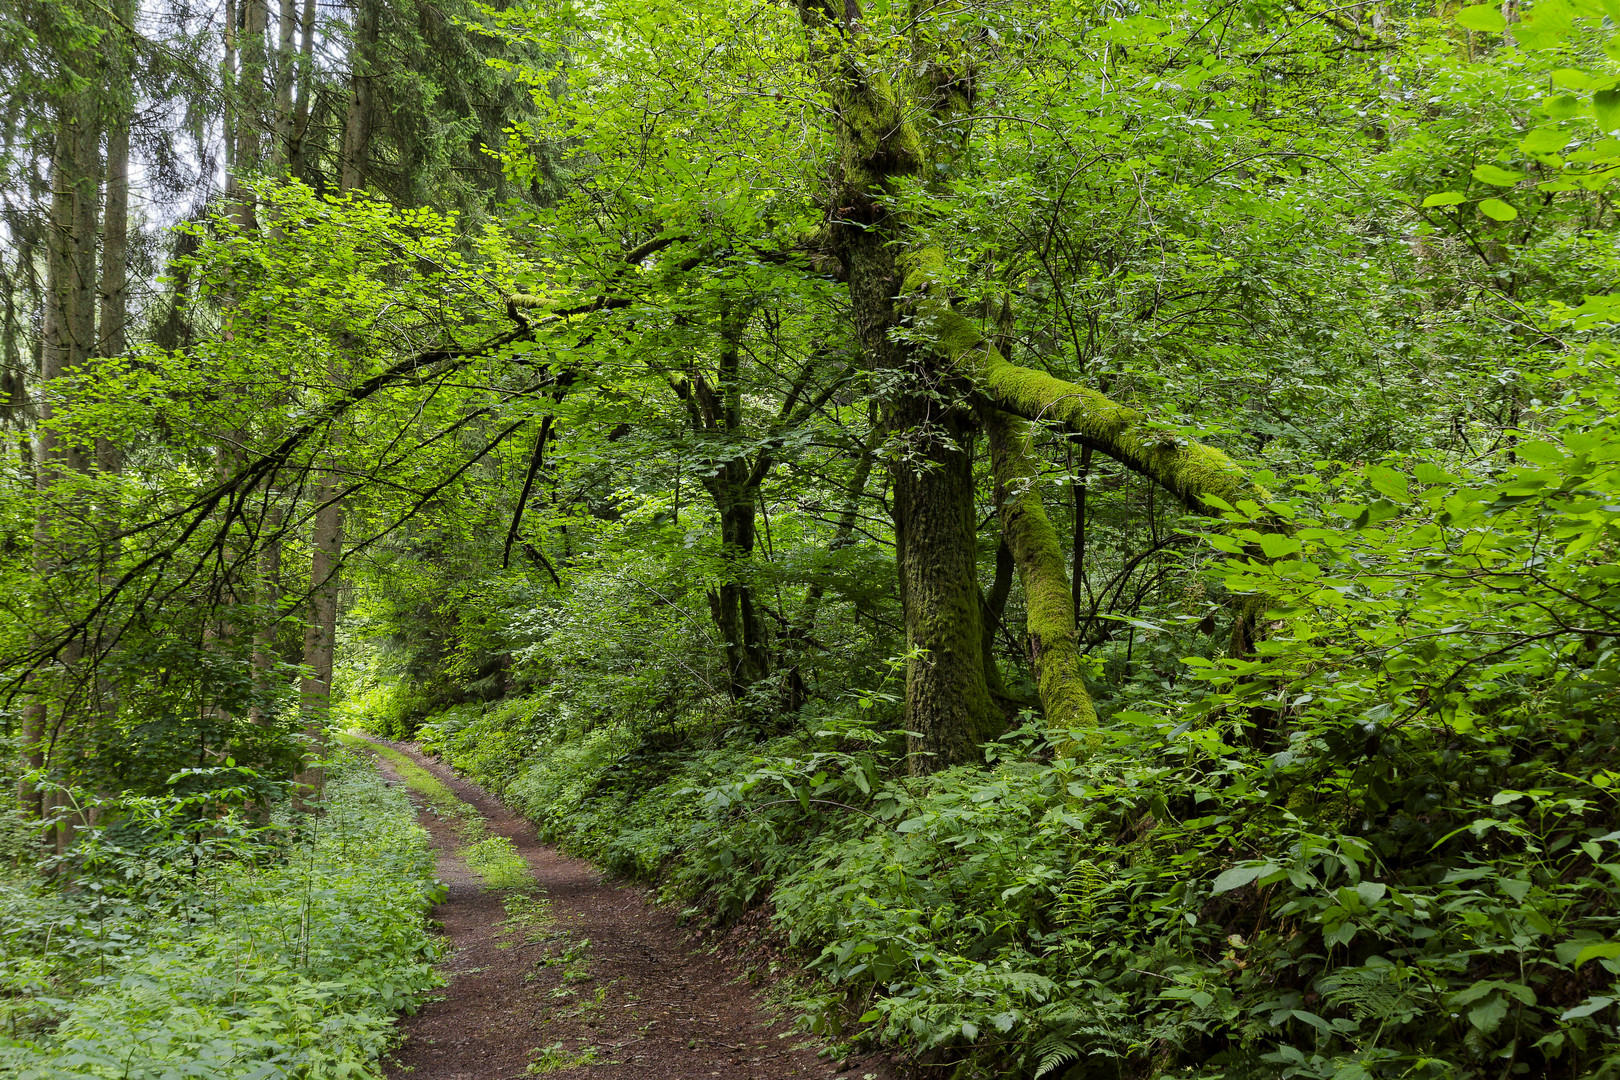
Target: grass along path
x=554, y=970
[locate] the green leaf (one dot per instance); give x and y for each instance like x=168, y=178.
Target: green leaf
x=1237, y=877
x=1496, y=175
x=1497, y=210
x=1603, y=950
x=1275, y=545
x=1371, y=892
x=1541, y=453
x=1572, y=79
x=1312, y=1019
x=1561, y=106
x=1486, y=17
x=1445, y=198
x=1544, y=140
x=1488, y=1015
x=1590, y=1006
x=1606, y=107
x=1388, y=482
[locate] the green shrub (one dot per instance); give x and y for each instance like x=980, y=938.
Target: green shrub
x=292, y=964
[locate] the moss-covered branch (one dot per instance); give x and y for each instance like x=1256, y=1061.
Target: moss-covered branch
x=1188, y=470
x=1054, y=650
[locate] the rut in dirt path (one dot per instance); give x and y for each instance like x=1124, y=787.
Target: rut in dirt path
x=582, y=978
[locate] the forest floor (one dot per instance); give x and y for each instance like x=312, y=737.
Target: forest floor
x=581, y=976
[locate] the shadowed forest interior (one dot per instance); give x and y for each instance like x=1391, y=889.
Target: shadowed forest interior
x=1096, y=523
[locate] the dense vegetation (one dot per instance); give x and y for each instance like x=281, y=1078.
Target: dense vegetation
x=239, y=949
x=1099, y=521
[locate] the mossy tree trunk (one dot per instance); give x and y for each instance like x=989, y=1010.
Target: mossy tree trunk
x=67, y=339
x=932, y=371
x=949, y=709
x=1054, y=652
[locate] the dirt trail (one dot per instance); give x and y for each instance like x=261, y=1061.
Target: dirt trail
x=585, y=979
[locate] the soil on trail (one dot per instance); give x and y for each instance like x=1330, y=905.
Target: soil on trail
x=582, y=978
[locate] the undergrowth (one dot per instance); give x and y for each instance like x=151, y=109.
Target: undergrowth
x=1383, y=843
x=493, y=858
x=224, y=947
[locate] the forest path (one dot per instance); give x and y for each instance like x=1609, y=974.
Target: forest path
x=581, y=978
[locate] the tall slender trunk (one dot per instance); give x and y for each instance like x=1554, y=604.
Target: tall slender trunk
x=251, y=55
x=995, y=605
x=67, y=336
x=731, y=601
x=228, y=82
x=1081, y=487
x=114, y=289
x=320, y=629
x=326, y=539
x=269, y=603
x=286, y=63
x=734, y=488
x=358, y=124
x=303, y=84
x=112, y=329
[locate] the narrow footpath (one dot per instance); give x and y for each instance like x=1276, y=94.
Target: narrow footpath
x=580, y=977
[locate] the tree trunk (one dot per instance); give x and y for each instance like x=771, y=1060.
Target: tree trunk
x=1054, y=653
x=251, y=53
x=320, y=630
x=949, y=710
x=67, y=335
x=303, y=83
x=286, y=62
x=736, y=614
x=269, y=603
x=113, y=336
x=358, y=124
x=326, y=539
x=995, y=604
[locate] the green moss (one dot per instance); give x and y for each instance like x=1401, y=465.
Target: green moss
x=878, y=140
x=1041, y=569
x=922, y=267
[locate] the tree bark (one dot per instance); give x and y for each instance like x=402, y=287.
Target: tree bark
x=286, y=63
x=320, y=629
x=326, y=537
x=67, y=336
x=269, y=604
x=358, y=124
x=1054, y=652
x=949, y=710
x=303, y=83
x=995, y=604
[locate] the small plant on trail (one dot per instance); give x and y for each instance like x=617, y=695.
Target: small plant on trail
x=497, y=861
x=553, y=1058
